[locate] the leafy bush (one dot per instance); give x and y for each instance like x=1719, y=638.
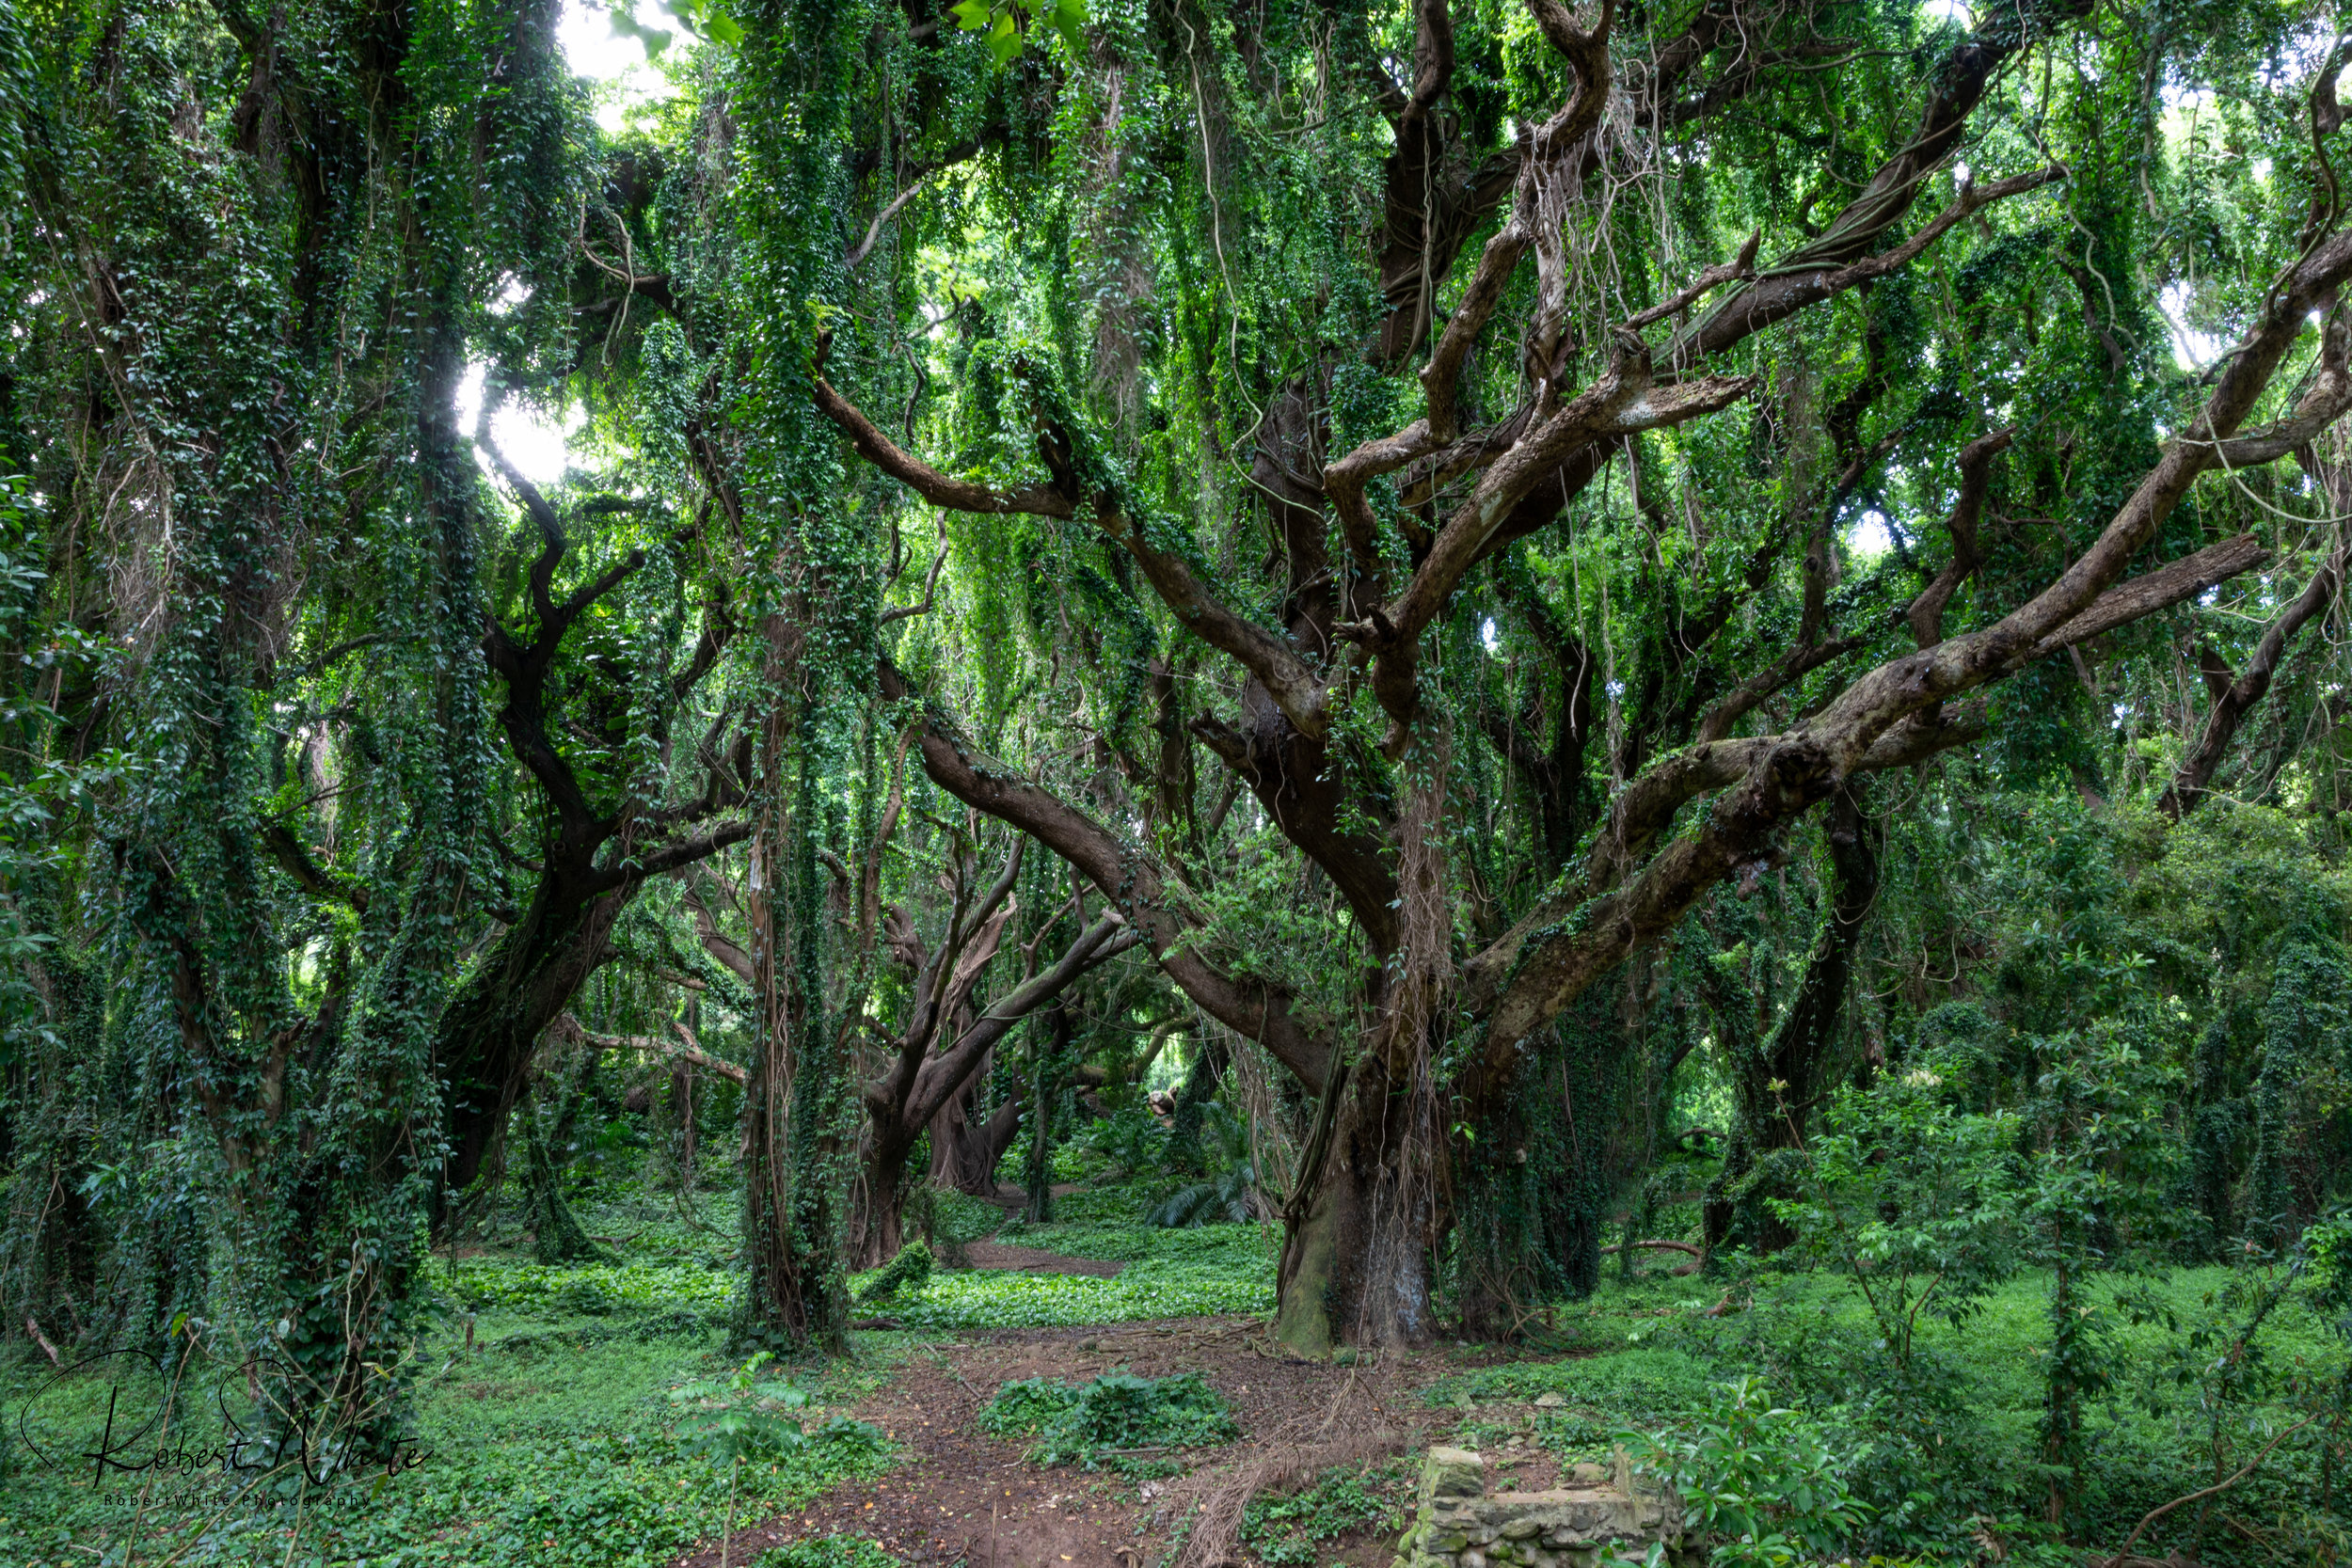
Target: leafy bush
x=911, y=1268
x=1764, y=1484
x=1912, y=1201
x=1131, y=1139
x=1117, y=1412
x=1231, y=1195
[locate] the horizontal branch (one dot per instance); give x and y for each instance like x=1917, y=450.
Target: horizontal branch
x=2172, y=583
x=1143, y=890
x=956, y=494
x=568, y=1027
x=664, y=858
x=1793, y=283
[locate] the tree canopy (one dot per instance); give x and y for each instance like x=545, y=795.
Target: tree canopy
x=1480, y=575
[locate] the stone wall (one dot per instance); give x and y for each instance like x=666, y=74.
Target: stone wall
x=1459, y=1526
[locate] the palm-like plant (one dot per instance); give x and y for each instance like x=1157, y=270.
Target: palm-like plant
x=1231, y=1195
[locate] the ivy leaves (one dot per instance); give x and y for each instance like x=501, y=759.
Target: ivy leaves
x=1002, y=22
x=996, y=18
x=699, y=17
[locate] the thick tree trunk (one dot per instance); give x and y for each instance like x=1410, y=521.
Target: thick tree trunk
x=964, y=1155
x=492, y=1026
x=878, y=1219
x=1354, y=1266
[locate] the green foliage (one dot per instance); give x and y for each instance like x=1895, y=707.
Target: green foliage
x=741, y=1418
x=1645, y=1383
x=1212, y=1270
x=488, y=1282
x=999, y=21
x=1230, y=1196
x=909, y=1270
x=829, y=1551
x=1088, y=1424
x=1912, y=1202
x=1131, y=1140
x=561, y=1444
x=1290, y=1531
x=955, y=1220
x=1763, y=1484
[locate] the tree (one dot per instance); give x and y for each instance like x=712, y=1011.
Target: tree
x=943, y=1040
x=1398, y=543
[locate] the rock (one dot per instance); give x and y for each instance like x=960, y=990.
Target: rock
x=1454, y=1473
x=1551, y=1401
x=1459, y=1523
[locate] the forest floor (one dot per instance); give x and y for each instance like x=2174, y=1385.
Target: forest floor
x=961, y=1497
x=555, y=1410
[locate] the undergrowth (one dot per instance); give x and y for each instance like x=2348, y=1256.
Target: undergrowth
x=832, y=1551
x=1113, y=1417
x=1291, y=1531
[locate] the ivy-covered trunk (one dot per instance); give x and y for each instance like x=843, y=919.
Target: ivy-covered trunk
x=795, y=1290
x=496, y=1022
x=1782, y=1077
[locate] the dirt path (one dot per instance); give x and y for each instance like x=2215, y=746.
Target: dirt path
x=998, y=1254
x=969, y=1499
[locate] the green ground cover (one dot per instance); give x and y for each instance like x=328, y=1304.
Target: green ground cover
x=1953, y=1452
x=1169, y=1274
x=568, y=1432
x=562, y=1411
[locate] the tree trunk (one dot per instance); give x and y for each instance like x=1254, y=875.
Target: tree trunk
x=493, y=1026
x=1044, y=1085
x=1354, y=1266
x=964, y=1154
x=1779, y=1084
x=878, y=1214
x=555, y=1233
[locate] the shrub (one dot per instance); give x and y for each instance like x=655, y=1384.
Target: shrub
x=1132, y=1139
x=1764, y=1484
x=911, y=1268
x=1231, y=1195
x=1117, y=1413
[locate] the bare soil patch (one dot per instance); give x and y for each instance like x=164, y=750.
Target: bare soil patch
x=1029, y=1259
x=970, y=1499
